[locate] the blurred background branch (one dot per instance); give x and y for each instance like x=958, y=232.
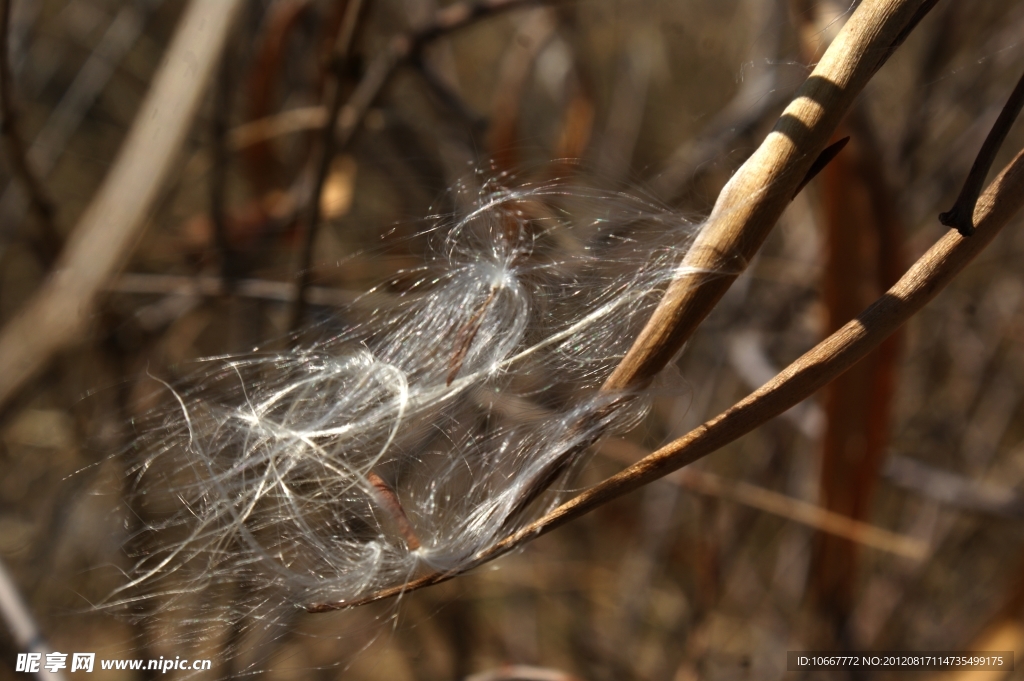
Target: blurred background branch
x=60, y=311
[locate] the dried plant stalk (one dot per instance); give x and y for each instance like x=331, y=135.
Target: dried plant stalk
x=746, y=211
x=58, y=313
x=752, y=201
x=801, y=379
x=780, y=505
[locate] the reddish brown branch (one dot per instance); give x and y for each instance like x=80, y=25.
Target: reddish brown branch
x=464, y=339
x=388, y=500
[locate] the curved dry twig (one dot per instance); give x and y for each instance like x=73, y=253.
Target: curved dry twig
x=801, y=379
x=959, y=216
x=747, y=209
x=751, y=203
x=58, y=313
x=930, y=274
x=753, y=200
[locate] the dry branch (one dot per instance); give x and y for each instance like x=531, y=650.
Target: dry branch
x=328, y=143
x=801, y=379
x=780, y=505
x=284, y=123
x=827, y=360
x=747, y=209
x=59, y=312
x=959, y=216
x=752, y=201
x=341, y=122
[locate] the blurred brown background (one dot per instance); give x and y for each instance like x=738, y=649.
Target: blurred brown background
x=713, y=575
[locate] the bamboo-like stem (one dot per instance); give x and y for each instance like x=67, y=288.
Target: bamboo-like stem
x=930, y=274
x=59, y=312
x=753, y=200
x=751, y=203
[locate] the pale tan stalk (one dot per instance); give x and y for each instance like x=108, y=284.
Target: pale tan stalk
x=751, y=203
x=930, y=274
x=59, y=312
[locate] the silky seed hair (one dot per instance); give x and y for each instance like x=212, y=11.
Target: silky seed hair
x=419, y=436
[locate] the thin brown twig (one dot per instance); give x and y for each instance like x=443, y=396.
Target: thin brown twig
x=49, y=243
x=388, y=500
x=260, y=289
x=961, y=214
x=781, y=505
x=448, y=97
x=921, y=283
x=343, y=121
x=284, y=123
x=312, y=117
x=58, y=314
x=329, y=143
x=219, y=173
